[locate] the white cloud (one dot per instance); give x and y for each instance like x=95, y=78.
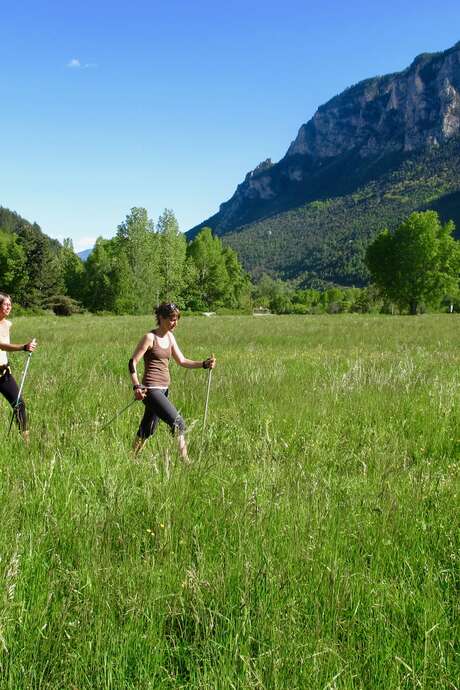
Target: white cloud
x=75, y=63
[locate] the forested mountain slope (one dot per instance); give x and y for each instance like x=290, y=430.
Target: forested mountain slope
x=30, y=261
x=371, y=155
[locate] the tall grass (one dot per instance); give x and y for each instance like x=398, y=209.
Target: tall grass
x=313, y=543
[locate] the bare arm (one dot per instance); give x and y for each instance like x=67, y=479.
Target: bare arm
x=182, y=361
x=11, y=347
x=142, y=347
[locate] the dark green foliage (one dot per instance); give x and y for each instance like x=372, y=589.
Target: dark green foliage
x=218, y=278
x=63, y=305
x=13, y=265
x=141, y=266
x=103, y=277
x=42, y=276
x=282, y=298
x=419, y=263
x=325, y=239
x=239, y=283
x=171, y=257
x=73, y=270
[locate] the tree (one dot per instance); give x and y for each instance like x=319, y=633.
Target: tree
x=73, y=270
x=332, y=300
x=101, y=277
x=212, y=277
x=239, y=285
x=13, y=266
x=418, y=263
x=63, y=305
x=138, y=242
x=273, y=294
x=43, y=265
x=172, y=250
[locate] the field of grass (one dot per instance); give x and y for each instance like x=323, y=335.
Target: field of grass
x=313, y=543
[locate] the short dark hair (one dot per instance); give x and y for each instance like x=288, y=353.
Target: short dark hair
x=166, y=310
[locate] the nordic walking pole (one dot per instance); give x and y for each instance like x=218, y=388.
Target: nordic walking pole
x=88, y=440
x=117, y=415
x=207, y=396
x=21, y=386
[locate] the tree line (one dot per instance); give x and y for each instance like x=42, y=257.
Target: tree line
x=413, y=268
x=324, y=241
x=144, y=263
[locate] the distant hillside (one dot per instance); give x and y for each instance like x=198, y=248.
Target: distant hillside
x=10, y=221
x=84, y=254
x=325, y=240
x=381, y=149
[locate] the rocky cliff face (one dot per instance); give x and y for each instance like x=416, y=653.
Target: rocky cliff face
x=408, y=110
x=380, y=117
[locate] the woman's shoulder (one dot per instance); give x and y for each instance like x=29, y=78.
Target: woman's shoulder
x=149, y=337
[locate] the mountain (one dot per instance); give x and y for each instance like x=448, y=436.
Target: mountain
x=369, y=157
x=84, y=254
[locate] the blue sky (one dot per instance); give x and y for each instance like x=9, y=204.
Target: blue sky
x=106, y=105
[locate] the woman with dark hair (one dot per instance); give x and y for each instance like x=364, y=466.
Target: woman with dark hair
x=157, y=347
x=8, y=386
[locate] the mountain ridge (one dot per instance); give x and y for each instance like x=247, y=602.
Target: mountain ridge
x=365, y=133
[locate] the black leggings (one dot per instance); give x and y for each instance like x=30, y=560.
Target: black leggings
x=157, y=406
x=9, y=389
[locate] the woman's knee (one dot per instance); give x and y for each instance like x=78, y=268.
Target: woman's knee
x=178, y=425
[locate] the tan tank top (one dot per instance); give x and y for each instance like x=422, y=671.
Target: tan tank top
x=156, y=364
x=4, y=338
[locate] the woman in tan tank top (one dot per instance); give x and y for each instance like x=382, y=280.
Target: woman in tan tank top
x=157, y=347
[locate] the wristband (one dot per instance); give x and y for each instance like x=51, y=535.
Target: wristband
x=204, y=364
x=24, y=347
x=137, y=386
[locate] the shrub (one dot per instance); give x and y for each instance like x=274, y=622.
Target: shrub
x=62, y=305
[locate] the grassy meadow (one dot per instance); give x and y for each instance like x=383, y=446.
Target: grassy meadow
x=313, y=543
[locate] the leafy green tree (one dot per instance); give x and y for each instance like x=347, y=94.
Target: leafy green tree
x=367, y=300
x=239, y=285
x=73, y=270
x=191, y=294
x=281, y=303
x=263, y=291
x=43, y=266
x=138, y=242
x=172, y=254
x=309, y=297
x=418, y=263
x=13, y=266
x=274, y=294
x=126, y=301
x=102, y=277
x=213, y=283
x=331, y=299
